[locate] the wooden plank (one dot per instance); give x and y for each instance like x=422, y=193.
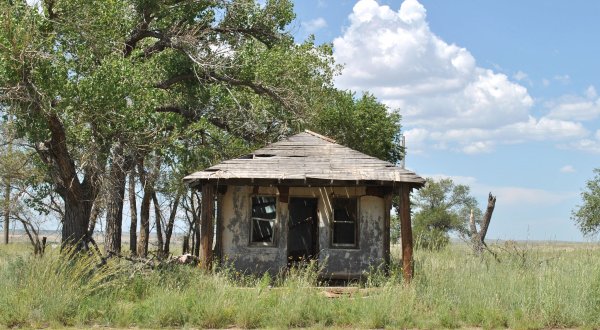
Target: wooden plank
x=320, y=159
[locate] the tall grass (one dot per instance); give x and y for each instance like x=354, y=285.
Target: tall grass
x=531, y=287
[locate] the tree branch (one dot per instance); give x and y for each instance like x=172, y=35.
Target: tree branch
x=166, y=84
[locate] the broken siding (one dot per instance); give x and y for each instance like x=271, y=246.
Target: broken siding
x=352, y=262
x=237, y=251
x=337, y=262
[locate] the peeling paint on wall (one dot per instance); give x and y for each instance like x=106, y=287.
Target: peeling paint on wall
x=336, y=262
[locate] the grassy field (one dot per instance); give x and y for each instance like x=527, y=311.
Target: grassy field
x=532, y=286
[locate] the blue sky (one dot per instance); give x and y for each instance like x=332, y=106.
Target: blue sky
x=502, y=96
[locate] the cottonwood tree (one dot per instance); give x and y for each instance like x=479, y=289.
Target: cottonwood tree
x=587, y=215
x=361, y=123
x=442, y=207
x=99, y=87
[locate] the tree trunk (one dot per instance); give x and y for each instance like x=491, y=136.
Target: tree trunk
x=142, y=245
x=170, y=223
x=196, y=232
x=158, y=219
x=93, y=218
x=6, y=210
x=117, y=178
x=133, y=213
x=75, y=223
x=78, y=195
x=185, y=249
x=478, y=237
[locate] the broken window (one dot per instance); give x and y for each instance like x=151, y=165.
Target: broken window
x=345, y=224
x=264, y=213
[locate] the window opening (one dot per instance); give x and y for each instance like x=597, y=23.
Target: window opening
x=345, y=222
x=264, y=214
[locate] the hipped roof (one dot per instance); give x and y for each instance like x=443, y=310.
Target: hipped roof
x=306, y=159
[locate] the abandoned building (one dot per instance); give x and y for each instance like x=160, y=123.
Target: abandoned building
x=304, y=198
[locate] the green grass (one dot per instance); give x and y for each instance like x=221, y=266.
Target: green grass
x=532, y=287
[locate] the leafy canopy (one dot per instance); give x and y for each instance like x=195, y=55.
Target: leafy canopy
x=587, y=215
x=443, y=207
x=363, y=124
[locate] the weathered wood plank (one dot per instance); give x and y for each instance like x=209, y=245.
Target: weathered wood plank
x=307, y=156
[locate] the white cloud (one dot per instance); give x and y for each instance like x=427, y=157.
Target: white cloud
x=575, y=107
x=565, y=78
x=478, y=147
x=314, y=25
x=520, y=75
x=446, y=100
x=591, y=145
x=526, y=197
x=510, y=195
x=567, y=169
x=590, y=92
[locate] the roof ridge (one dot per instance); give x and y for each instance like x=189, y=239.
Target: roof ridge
x=323, y=137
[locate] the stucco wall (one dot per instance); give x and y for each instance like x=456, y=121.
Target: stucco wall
x=336, y=262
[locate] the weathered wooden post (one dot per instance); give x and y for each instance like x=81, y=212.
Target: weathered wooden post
x=406, y=231
x=207, y=225
x=387, y=208
x=218, y=253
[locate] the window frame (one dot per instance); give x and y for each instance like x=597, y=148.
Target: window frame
x=355, y=245
x=275, y=222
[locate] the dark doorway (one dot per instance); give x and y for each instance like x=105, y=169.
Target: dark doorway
x=303, y=239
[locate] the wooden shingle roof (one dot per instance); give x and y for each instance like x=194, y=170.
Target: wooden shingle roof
x=306, y=159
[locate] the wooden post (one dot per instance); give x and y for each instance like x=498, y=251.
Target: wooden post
x=207, y=225
x=219, y=227
x=406, y=230
x=387, y=208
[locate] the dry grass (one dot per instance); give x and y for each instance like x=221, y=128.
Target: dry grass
x=533, y=286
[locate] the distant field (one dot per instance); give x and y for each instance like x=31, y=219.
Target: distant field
x=532, y=286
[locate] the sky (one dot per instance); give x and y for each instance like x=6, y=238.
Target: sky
x=500, y=95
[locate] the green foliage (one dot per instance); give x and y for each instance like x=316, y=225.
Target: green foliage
x=443, y=207
x=363, y=124
x=587, y=215
x=181, y=85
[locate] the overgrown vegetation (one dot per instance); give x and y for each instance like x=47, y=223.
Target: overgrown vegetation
x=533, y=286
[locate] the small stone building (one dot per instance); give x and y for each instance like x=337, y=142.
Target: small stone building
x=304, y=198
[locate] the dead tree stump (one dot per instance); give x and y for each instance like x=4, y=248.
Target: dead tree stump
x=478, y=236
